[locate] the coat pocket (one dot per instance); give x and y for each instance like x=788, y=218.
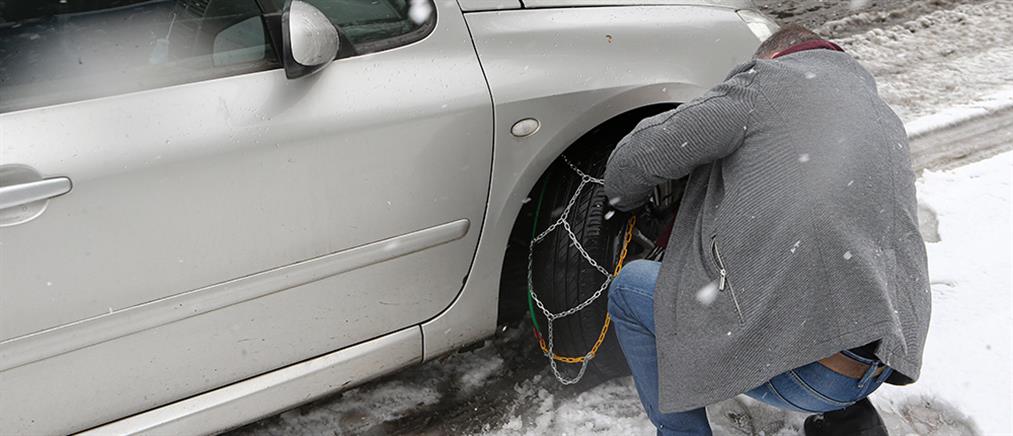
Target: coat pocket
x=724, y=283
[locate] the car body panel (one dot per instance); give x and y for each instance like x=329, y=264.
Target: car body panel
x=198, y=197
x=488, y=5
x=574, y=69
x=734, y=4
x=158, y=313
x=492, y=5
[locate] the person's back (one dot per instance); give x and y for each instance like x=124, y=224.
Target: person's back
x=850, y=147
x=800, y=208
x=854, y=176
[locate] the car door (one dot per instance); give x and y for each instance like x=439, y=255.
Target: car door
x=199, y=219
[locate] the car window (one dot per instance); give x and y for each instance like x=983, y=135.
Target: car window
x=374, y=25
x=59, y=51
x=55, y=51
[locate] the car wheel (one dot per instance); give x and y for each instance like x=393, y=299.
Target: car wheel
x=562, y=277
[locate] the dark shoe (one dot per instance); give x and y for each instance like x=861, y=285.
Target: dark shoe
x=859, y=419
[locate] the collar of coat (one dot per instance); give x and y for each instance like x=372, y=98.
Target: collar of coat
x=808, y=45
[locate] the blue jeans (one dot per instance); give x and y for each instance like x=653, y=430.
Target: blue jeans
x=812, y=388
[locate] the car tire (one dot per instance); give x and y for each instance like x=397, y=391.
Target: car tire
x=563, y=278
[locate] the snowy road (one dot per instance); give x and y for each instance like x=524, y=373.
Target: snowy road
x=969, y=141
x=928, y=56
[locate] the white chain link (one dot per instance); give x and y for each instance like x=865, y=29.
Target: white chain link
x=549, y=316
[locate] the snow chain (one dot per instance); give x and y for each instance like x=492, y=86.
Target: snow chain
x=547, y=349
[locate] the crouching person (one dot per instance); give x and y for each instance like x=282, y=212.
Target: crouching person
x=795, y=272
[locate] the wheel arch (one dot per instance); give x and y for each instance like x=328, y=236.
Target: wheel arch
x=512, y=283
x=474, y=315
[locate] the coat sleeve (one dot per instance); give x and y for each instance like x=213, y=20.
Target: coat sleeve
x=670, y=145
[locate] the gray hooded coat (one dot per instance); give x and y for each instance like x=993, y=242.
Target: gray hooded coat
x=800, y=188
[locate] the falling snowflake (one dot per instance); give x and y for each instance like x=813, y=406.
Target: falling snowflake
x=419, y=11
x=708, y=293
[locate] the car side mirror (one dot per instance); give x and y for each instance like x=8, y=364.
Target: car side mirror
x=309, y=40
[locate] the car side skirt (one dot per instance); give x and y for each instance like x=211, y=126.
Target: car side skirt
x=534, y=4
x=273, y=392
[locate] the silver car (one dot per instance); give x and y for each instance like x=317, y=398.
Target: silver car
x=215, y=210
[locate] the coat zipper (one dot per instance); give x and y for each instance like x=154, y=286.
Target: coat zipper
x=723, y=279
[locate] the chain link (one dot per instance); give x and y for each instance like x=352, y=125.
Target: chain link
x=548, y=348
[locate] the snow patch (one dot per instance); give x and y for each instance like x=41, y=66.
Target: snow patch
x=989, y=104
x=942, y=59
x=475, y=372
x=857, y=4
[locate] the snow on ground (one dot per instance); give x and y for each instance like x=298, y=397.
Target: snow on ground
x=613, y=408
x=409, y=401
x=943, y=59
x=873, y=14
x=989, y=104
x=966, y=385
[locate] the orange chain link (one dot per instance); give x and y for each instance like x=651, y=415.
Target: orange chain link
x=608, y=318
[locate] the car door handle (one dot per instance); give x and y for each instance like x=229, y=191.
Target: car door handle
x=24, y=193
